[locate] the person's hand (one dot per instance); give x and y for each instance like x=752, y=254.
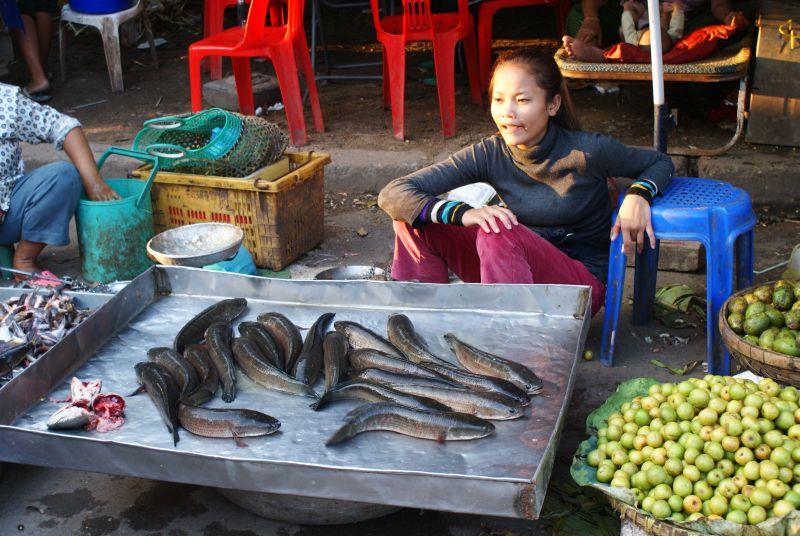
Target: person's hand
x=100, y=191
x=590, y=31
x=736, y=18
x=633, y=222
x=488, y=217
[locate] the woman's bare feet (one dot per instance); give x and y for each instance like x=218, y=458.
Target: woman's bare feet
x=582, y=51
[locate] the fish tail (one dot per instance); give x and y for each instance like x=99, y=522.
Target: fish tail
x=138, y=390
x=343, y=434
x=322, y=401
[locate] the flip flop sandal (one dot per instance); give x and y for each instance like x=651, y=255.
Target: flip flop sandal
x=37, y=96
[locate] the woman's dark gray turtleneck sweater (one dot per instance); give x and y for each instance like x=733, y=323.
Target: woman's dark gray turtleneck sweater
x=557, y=189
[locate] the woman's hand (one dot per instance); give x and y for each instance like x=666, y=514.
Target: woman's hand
x=590, y=31
x=487, y=217
x=100, y=191
x=736, y=18
x=634, y=221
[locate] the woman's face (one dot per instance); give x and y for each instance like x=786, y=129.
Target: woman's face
x=519, y=106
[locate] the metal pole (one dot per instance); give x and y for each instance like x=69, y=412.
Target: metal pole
x=241, y=12
x=660, y=115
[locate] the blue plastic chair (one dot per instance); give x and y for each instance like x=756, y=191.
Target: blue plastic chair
x=718, y=215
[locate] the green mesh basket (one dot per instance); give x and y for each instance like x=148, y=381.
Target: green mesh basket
x=207, y=135
x=259, y=144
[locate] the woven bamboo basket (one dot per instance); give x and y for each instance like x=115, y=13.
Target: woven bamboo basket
x=782, y=368
x=647, y=522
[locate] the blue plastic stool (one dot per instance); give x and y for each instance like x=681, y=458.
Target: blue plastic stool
x=718, y=215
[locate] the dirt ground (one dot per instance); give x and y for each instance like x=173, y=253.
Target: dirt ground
x=352, y=110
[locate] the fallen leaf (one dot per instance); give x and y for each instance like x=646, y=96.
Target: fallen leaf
x=362, y=232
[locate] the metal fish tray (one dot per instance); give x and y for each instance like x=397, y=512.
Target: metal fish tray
x=542, y=326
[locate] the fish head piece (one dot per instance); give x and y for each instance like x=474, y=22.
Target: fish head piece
x=514, y=412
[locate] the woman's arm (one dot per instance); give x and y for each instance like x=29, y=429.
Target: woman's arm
x=653, y=171
x=77, y=148
x=404, y=198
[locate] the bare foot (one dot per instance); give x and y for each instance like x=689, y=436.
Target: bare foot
x=636, y=9
x=567, y=41
x=582, y=51
x=36, y=86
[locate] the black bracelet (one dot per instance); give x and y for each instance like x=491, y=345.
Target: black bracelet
x=641, y=192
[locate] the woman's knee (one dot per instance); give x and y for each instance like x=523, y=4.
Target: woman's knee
x=500, y=242
x=64, y=179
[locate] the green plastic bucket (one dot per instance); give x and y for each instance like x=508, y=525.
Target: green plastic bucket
x=113, y=235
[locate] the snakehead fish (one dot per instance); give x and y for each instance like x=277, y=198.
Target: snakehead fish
x=402, y=334
x=479, y=382
x=492, y=406
x=435, y=425
x=163, y=391
x=481, y=362
x=195, y=329
x=306, y=368
x=233, y=423
x=374, y=392
x=334, y=355
x=286, y=336
x=364, y=358
x=218, y=343
x=198, y=357
x=259, y=335
x=361, y=337
x=182, y=372
x=255, y=367
x=391, y=379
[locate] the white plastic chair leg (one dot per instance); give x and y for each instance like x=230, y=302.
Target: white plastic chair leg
x=110, y=35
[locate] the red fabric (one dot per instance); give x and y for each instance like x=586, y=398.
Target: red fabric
x=511, y=256
x=699, y=44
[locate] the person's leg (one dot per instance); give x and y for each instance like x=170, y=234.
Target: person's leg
x=609, y=14
x=42, y=204
x=28, y=42
x=583, y=51
x=425, y=254
x=628, y=26
x=519, y=255
x=44, y=30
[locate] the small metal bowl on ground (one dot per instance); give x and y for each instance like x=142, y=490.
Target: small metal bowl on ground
x=353, y=273
x=196, y=245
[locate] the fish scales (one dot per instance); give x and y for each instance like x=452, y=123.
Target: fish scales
x=402, y=334
x=364, y=358
x=482, y=362
x=198, y=357
x=479, y=382
x=194, y=330
x=218, y=343
x=163, y=392
x=334, y=354
x=180, y=369
x=362, y=337
x=259, y=335
x=373, y=392
x=432, y=425
x=306, y=368
x=227, y=422
x=264, y=374
x=286, y=336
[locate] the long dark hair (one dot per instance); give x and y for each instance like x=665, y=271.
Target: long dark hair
x=544, y=69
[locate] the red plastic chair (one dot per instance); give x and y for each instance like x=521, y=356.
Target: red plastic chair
x=284, y=45
x=486, y=11
x=444, y=30
x=214, y=18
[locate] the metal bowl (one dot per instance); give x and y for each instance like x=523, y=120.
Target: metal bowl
x=306, y=510
x=351, y=273
x=195, y=245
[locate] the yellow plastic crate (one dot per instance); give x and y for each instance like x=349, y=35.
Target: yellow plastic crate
x=280, y=208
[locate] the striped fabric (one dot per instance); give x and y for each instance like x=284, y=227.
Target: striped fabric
x=441, y=211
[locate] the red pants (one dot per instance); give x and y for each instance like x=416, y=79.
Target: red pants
x=511, y=256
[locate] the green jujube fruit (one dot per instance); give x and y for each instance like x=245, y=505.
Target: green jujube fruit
x=751, y=339
x=763, y=293
x=756, y=324
x=738, y=305
x=767, y=338
x=736, y=321
x=792, y=319
x=786, y=345
x=783, y=283
x=775, y=317
x=797, y=290
x=796, y=306
x=782, y=299
x=755, y=308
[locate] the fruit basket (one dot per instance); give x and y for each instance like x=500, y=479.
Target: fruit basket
x=654, y=453
x=773, y=351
